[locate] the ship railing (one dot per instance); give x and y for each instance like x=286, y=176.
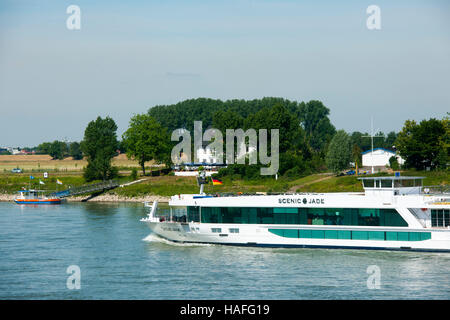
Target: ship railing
x=436, y=190
x=148, y=204
x=152, y=215
x=241, y=194
x=162, y=214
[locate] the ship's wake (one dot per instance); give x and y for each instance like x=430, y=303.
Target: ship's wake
x=154, y=238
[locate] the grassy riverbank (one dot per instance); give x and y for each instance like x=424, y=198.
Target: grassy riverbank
x=166, y=186
x=352, y=184
x=170, y=185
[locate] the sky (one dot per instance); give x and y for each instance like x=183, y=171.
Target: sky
x=129, y=56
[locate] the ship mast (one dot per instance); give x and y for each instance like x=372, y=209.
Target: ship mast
x=372, y=135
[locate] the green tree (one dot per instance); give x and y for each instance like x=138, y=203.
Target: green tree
x=122, y=147
x=444, y=154
x=58, y=150
x=100, y=145
x=75, y=151
x=393, y=163
x=291, y=135
x=361, y=140
x=147, y=140
x=44, y=148
x=223, y=120
x=305, y=128
x=339, y=152
x=134, y=174
x=357, y=155
x=184, y=113
x=421, y=144
x=314, y=119
x=389, y=141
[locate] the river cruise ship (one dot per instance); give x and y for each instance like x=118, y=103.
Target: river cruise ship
x=393, y=213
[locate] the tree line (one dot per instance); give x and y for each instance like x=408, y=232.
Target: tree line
x=309, y=142
x=59, y=150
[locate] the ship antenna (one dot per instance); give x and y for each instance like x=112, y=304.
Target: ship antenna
x=372, y=135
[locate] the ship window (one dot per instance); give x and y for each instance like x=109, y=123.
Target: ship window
x=216, y=230
x=368, y=183
x=440, y=218
x=446, y=218
x=310, y=216
x=305, y=234
x=193, y=214
x=398, y=183
x=403, y=236
x=376, y=235
x=344, y=234
x=317, y=234
x=391, y=218
x=368, y=217
x=234, y=230
x=331, y=234
x=291, y=233
x=414, y=236
x=386, y=183
x=352, y=235
x=407, y=183
x=391, y=236
x=425, y=235
x=360, y=235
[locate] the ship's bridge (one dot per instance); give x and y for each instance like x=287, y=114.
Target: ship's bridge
x=396, y=185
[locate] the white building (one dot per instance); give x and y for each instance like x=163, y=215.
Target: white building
x=207, y=155
x=379, y=157
x=14, y=151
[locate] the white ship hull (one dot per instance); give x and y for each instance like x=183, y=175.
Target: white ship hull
x=259, y=235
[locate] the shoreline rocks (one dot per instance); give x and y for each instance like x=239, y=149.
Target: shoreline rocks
x=101, y=198
x=7, y=197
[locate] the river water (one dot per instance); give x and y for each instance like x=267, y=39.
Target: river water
x=118, y=258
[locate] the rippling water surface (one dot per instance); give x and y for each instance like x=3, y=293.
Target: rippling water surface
x=120, y=259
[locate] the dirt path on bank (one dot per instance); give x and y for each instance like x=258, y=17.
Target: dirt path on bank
x=294, y=188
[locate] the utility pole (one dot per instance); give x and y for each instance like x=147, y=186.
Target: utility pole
x=372, y=135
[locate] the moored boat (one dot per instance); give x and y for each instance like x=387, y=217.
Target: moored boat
x=32, y=197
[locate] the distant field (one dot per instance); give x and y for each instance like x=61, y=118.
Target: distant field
x=37, y=163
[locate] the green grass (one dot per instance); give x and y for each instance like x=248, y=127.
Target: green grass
x=306, y=179
x=163, y=186
x=334, y=184
x=352, y=184
x=172, y=185
x=11, y=183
